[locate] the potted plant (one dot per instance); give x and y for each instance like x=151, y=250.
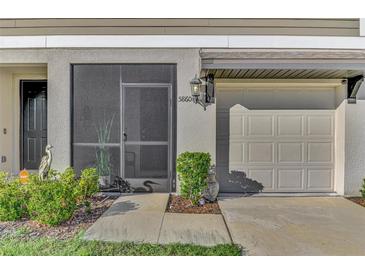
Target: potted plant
x=103, y=164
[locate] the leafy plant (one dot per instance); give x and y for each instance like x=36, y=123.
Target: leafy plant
x=103, y=131
x=192, y=168
x=362, y=190
x=69, y=177
x=13, y=199
x=52, y=201
x=88, y=185
x=3, y=177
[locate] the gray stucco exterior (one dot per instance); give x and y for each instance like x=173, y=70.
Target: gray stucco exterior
x=196, y=128
x=58, y=63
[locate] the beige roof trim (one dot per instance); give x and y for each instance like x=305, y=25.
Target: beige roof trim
x=183, y=26
x=234, y=54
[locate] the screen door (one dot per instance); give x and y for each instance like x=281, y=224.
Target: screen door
x=146, y=136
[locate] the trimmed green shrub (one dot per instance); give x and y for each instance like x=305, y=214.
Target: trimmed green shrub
x=362, y=190
x=193, y=168
x=52, y=201
x=13, y=199
x=69, y=177
x=3, y=177
x=89, y=183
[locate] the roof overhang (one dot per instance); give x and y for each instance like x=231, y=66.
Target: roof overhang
x=300, y=59
x=285, y=67
x=282, y=64
x=252, y=65
x=285, y=73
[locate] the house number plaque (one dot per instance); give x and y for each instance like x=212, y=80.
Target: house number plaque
x=185, y=99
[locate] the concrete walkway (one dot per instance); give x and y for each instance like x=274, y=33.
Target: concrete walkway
x=142, y=218
x=295, y=225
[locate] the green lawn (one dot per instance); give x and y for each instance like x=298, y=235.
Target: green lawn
x=15, y=245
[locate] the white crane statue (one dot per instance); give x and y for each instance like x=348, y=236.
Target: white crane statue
x=45, y=164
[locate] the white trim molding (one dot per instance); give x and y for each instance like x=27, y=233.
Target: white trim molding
x=362, y=26
x=307, y=42
x=182, y=41
x=22, y=42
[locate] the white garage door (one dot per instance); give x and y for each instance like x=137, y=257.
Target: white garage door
x=284, y=150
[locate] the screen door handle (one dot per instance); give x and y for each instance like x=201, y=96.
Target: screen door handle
x=124, y=136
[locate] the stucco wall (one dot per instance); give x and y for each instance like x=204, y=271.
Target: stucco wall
x=354, y=147
x=10, y=111
x=6, y=119
x=350, y=148
x=340, y=118
x=195, y=127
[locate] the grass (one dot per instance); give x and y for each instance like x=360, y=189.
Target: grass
x=18, y=245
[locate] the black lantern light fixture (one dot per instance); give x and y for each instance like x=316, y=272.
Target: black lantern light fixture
x=202, y=90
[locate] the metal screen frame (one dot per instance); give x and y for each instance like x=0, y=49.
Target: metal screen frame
x=172, y=117
x=170, y=129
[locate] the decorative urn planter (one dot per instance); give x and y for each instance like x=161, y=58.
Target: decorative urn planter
x=212, y=190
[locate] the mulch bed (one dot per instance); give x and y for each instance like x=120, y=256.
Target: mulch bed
x=80, y=220
x=358, y=200
x=178, y=204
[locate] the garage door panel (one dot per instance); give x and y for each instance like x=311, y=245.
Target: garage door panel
x=320, y=179
x=284, y=150
x=320, y=152
x=260, y=125
x=320, y=125
x=260, y=152
x=236, y=153
x=237, y=125
x=264, y=176
x=291, y=153
x=290, y=179
x=290, y=125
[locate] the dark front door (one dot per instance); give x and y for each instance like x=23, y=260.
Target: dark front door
x=33, y=122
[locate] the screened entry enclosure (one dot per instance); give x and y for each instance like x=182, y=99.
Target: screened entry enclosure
x=123, y=122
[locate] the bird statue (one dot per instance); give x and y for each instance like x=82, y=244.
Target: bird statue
x=45, y=164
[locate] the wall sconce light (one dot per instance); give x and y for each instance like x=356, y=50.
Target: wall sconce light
x=202, y=90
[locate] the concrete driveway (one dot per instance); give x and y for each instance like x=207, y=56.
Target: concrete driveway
x=295, y=225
